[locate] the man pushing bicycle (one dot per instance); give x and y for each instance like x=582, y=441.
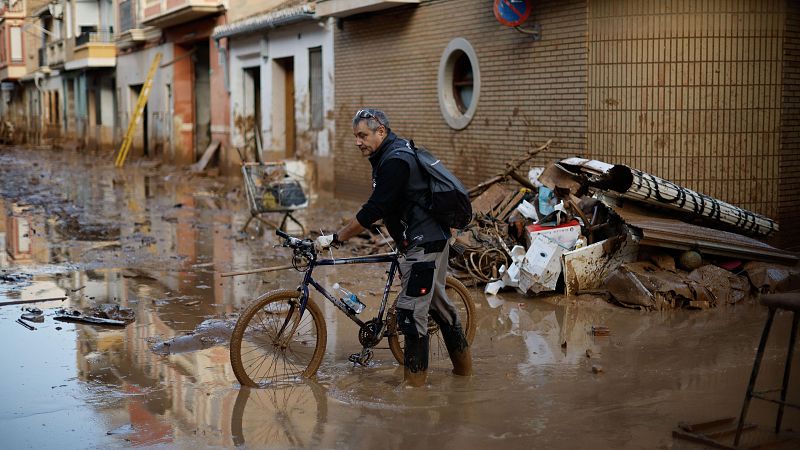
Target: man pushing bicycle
x=399, y=190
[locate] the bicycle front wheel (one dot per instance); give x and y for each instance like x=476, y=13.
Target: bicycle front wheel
x=272, y=344
x=465, y=308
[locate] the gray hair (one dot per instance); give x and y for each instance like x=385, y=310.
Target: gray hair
x=374, y=117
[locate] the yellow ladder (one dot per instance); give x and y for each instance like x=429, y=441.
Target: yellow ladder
x=137, y=113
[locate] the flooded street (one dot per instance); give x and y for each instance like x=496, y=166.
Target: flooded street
x=155, y=240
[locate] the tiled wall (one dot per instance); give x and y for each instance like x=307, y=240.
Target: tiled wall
x=690, y=91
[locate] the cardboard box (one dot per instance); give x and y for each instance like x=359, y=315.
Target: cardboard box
x=565, y=234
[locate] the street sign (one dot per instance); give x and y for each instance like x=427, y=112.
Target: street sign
x=512, y=13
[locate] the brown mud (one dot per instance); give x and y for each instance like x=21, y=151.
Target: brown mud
x=155, y=240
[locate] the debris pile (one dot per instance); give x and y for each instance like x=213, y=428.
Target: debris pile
x=583, y=226
x=107, y=314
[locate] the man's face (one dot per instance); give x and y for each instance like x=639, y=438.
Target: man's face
x=367, y=140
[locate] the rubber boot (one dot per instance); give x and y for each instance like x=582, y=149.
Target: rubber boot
x=415, y=354
x=458, y=348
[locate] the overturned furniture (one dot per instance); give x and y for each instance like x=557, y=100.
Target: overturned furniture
x=270, y=189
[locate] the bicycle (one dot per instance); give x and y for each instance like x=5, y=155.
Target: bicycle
x=281, y=336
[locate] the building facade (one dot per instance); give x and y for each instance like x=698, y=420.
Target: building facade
x=15, y=59
x=191, y=110
x=280, y=77
x=700, y=93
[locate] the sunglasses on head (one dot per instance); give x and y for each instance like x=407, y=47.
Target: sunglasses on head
x=366, y=114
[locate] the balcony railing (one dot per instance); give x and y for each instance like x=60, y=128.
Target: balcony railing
x=55, y=53
x=102, y=36
x=12, y=7
x=168, y=13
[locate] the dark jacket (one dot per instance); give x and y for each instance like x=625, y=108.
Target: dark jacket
x=399, y=188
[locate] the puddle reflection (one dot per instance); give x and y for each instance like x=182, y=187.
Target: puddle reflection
x=289, y=416
x=156, y=243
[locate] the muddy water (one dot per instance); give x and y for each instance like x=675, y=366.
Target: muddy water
x=156, y=240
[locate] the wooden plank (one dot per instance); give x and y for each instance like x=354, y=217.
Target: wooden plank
x=200, y=166
x=39, y=300
x=700, y=439
x=489, y=199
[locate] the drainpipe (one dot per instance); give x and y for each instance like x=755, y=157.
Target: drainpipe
x=222, y=53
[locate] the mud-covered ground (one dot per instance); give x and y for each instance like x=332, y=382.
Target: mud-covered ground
x=155, y=240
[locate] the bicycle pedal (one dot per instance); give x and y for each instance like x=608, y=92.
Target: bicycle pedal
x=361, y=358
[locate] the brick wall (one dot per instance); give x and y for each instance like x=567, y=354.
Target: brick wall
x=530, y=90
x=789, y=169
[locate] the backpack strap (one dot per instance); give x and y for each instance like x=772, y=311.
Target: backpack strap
x=411, y=149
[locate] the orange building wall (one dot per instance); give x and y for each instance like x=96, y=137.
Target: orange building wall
x=184, y=37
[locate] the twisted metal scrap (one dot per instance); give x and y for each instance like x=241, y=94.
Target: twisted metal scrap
x=482, y=261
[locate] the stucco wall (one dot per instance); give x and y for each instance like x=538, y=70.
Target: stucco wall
x=260, y=50
x=132, y=70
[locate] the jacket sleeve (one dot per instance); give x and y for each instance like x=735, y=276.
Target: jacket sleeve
x=388, y=194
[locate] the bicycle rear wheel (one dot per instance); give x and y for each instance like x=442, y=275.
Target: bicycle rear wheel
x=272, y=344
x=460, y=298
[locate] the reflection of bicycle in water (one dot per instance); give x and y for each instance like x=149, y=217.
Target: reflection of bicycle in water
x=291, y=415
x=281, y=336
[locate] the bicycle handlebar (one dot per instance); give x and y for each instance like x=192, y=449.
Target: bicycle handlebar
x=301, y=245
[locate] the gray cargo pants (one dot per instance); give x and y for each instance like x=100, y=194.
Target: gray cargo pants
x=423, y=287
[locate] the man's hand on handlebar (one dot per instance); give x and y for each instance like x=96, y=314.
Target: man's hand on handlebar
x=325, y=241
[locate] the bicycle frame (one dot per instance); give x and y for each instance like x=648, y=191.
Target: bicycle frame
x=372, y=259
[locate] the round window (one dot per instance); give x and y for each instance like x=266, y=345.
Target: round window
x=459, y=83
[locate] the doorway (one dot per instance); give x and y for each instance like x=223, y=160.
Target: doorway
x=202, y=98
x=140, y=140
x=283, y=123
x=252, y=112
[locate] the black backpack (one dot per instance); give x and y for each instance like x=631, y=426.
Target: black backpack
x=449, y=201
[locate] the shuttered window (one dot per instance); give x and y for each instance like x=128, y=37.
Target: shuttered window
x=16, y=44
x=315, y=88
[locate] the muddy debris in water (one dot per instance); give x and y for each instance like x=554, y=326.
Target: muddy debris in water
x=63, y=315
x=597, y=369
x=133, y=273
x=83, y=231
x=209, y=333
x=771, y=278
x=33, y=315
x=600, y=330
x=14, y=277
x=114, y=312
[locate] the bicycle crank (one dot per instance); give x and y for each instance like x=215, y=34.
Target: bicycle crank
x=370, y=333
x=363, y=357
